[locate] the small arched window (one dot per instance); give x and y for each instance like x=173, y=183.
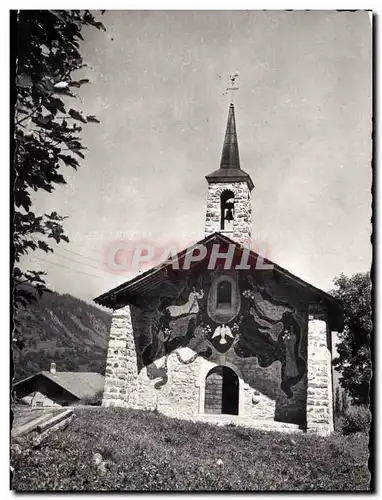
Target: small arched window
x=224, y=295
x=226, y=210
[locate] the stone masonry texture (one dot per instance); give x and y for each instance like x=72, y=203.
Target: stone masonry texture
x=121, y=367
x=319, y=388
x=242, y=222
x=175, y=383
x=261, y=401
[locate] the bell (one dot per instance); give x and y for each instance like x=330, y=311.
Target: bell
x=229, y=214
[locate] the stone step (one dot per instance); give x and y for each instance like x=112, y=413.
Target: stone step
x=249, y=422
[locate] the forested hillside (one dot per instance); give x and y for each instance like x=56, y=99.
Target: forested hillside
x=63, y=329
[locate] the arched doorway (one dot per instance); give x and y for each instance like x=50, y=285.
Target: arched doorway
x=221, y=391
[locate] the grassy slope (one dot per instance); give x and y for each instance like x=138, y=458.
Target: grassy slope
x=147, y=451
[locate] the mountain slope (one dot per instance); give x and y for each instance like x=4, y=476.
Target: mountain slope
x=63, y=329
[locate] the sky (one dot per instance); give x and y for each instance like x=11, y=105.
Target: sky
x=158, y=82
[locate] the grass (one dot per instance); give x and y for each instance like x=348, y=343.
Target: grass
x=148, y=451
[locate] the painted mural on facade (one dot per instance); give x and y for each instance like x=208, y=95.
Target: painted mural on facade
x=217, y=312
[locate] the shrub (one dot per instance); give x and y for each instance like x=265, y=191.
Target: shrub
x=356, y=419
x=345, y=401
x=337, y=403
x=95, y=400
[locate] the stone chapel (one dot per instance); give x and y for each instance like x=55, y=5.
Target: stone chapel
x=219, y=341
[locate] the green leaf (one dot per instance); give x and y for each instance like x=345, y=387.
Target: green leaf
x=69, y=161
x=77, y=152
x=73, y=144
x=24, y=81
x=49, y=85
x=58, y=15
x=55, y=104
x=77, y=116
x=20, y=109
x=44, y=121
x=79, y=83
x=44, y=246
x=99, y=26
x=61, y=85
x=92, y=119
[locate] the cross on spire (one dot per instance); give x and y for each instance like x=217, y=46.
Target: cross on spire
x=233, y=88
x=230, y=170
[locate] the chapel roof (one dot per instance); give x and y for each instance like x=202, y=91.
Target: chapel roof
x=79, y=384
x=142, y=284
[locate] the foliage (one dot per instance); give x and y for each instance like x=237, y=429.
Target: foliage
x=341, y=402
x=337, y=402
x=356, y=419
x=345, y=401
x=46, y=137
x=63, y=329
x=160, y=453
x=95, y=400
x=354, y=359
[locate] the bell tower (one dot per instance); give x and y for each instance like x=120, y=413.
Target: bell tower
x=229, y=208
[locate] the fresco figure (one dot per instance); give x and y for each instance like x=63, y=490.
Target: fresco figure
x=271, y=333
x=149, y=324
x=291, y=369
x=178, y=323
x=154, y=372
x=266, y=327
x=265, y=305
x=190, y=307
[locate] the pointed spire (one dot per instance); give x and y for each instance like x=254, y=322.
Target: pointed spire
x=230, y=154
x=230, y=170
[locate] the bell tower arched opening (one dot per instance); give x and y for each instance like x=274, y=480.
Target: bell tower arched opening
x=227, y=204
x=228, y=201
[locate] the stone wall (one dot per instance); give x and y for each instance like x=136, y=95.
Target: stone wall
x=174, y=383
x=121, y=368
x=242, y=223
x=184, y=393
x=260, y=397
x=319, y=378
